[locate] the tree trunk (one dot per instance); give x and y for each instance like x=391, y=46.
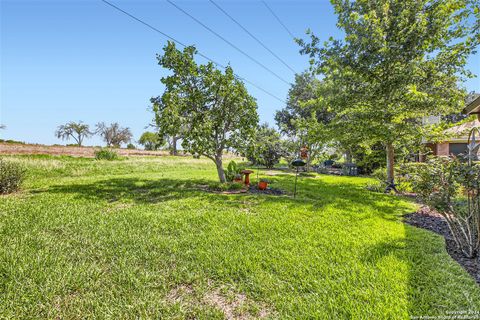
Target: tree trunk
x=174, y=146
x=348, y=156
x=390, y=163
x=220, y=171
x=309, y=164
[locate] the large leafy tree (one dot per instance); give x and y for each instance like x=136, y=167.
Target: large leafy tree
x=210, y=109
x=113, y=135
x=77, y=131
x=305, y=117
x=400, y=60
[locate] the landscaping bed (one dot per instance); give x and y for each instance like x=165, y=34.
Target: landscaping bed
x=429, y=219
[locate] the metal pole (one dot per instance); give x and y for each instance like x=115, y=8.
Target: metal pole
x=295, y=191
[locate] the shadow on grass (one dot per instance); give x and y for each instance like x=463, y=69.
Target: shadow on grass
x=134, y=189
x=419, y=257
x=314, y=194
x=435, y=285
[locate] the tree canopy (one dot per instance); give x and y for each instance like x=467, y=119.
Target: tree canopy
x=151, y=140
x=306, y=117
x=77, y=131
x=267, y=148
x=211, y=109
x=114, y=135
x=400, y=61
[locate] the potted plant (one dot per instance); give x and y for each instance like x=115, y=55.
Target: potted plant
x=238, y=178
x=263, y=184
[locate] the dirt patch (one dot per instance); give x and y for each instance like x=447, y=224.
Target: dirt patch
x=431, y=220
x=233, y=305
x=178, y=294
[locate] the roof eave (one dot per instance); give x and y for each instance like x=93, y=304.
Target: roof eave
x=473, y=107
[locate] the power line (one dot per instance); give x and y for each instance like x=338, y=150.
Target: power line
x=228, y=42
x=199, y=53
x=278, y=19
x=251, y=35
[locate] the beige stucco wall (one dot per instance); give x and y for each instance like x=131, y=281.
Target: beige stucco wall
x=443, y=149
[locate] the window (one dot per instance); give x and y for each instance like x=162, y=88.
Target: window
x=458, y=148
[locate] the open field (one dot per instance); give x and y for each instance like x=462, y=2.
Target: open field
x=89, y=152
x=140, y=238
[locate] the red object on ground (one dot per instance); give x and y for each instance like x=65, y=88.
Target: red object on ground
x=304, y=152
x=247, y=176
x=262, y=185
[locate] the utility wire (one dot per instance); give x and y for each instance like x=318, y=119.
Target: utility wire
x=279, y=21
x=199, y=53
x=252, y=36
x=228, y=42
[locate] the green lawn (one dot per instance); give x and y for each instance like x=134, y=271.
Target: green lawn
x=139, y=238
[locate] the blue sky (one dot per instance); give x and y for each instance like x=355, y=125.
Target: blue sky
x=83, y=60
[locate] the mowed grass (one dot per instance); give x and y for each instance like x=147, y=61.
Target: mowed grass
x=140, y=238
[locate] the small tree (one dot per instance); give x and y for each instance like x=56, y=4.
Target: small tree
x=170, y=130
x=210, y=109
x=75, y=130
x=113, y=135
x=452, y=187
x=267, y=149
x=151, y=141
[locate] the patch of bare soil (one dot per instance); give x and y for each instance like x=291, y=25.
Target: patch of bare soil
x=233, y=305
x=429, y=219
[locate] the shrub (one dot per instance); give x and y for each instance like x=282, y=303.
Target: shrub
x=12, y=141
x=105, y=154
x=402, y=179
x=131, y=146
x=11, y=176
x=232, y=171
x=452, y=187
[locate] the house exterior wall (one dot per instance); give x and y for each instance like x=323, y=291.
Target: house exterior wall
x=443, y=149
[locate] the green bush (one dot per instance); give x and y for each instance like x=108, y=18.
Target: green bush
x=131, y=146
x=232, y=171
x=267, y=148
x=452, y=187
x=402, y=179
x=11, y=141
x=11, y=176
x=106, y=154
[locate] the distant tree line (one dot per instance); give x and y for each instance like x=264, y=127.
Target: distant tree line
x=114, y=135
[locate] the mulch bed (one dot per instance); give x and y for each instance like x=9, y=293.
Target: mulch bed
x=269, y=191
x=252, y=189
x=429, y=219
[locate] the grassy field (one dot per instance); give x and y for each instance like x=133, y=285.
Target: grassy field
x=140, y=238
